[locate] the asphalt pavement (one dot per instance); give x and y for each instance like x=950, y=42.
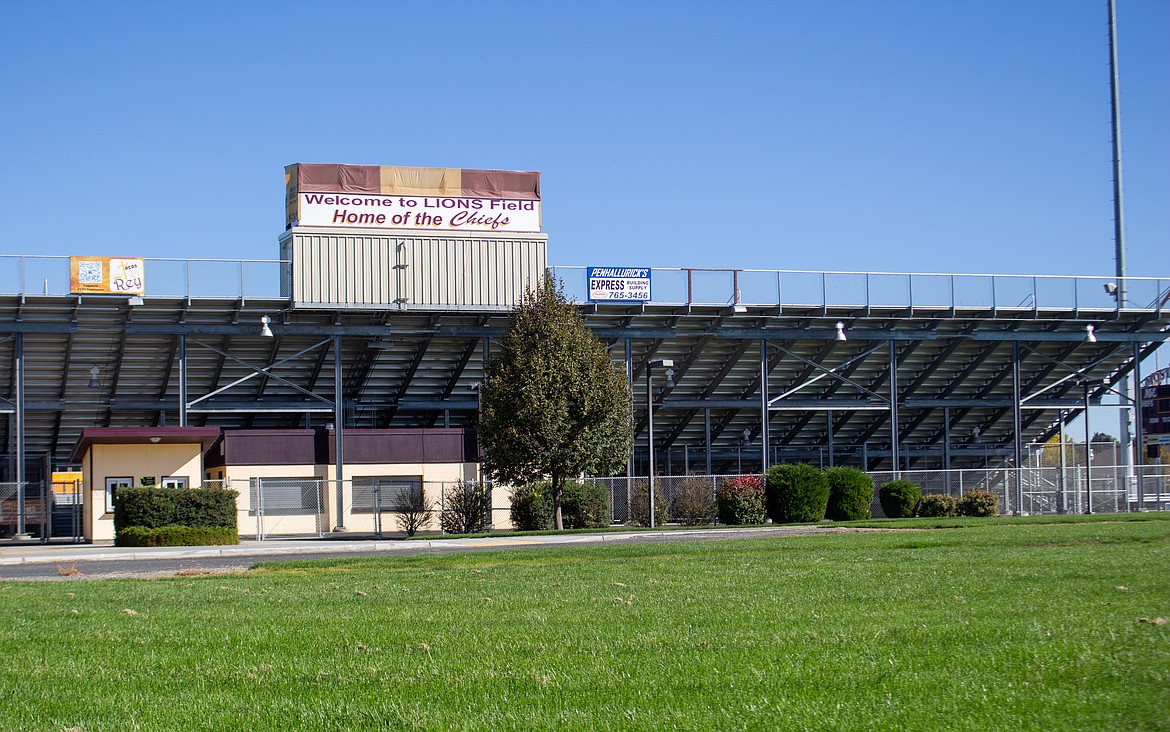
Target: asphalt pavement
x=34, y=561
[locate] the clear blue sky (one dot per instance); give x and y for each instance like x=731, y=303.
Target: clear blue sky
x=861, y=135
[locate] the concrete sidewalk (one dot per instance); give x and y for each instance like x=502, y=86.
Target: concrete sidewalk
x=12, y=554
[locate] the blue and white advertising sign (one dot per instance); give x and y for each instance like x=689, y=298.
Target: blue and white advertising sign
x=619, y=283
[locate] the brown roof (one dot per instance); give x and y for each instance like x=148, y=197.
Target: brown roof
x=363, y=446
x=204, y=436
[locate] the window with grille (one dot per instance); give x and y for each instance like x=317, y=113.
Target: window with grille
x=112, y=486
x=382, y=492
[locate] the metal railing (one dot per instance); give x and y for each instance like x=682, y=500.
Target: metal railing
x=262, y=279
x=186, y=278
x=804, y=289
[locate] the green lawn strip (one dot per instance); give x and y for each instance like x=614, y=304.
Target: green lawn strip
x=999, y=626
x=964, y=522
x=881, y=523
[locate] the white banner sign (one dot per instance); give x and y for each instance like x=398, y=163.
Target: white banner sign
x=428, y=213
x=619, y=283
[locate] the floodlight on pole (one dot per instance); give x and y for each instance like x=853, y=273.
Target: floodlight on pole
x=667, y=364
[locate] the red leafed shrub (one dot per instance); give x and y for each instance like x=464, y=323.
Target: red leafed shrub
x=740, y=500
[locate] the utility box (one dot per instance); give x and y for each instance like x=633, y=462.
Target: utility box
x=380, y=237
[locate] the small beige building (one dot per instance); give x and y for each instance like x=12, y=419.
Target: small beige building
x=287, y=479
x=288, y=483
x=119, y=457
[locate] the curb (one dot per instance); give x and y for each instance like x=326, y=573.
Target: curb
x=69, y=553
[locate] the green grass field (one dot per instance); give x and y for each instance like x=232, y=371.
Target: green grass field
x=993, y=626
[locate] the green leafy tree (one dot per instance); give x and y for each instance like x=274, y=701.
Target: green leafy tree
x=553, y=404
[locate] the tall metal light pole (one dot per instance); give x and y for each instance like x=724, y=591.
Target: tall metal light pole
x=1127, y=457
x=665, y=363
x=1115, y=107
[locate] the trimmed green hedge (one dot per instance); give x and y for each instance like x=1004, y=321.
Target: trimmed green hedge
x=898, y=498
x=978, y=503
x=583, y=506
x=176, y=536
x=532, y=508
x=850, y=494
x=153, y=508
x=938, y=505
x=796, y=493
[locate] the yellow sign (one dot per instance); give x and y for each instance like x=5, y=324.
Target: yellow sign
x=66, y=482
x=107, y=276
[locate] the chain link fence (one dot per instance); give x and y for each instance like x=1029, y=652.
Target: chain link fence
x=270, y=508
x=1041, y=490
x=305, y=507
x=1050, y=490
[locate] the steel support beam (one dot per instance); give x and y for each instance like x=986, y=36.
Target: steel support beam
x=1017, y=430
x=1139, y=448
x=765, y=415
x=707, y=436
x=182, y=381
x=338, y=431
x=894, y=409
x=18, y=366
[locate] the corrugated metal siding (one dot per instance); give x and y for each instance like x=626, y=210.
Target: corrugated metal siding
x=435, y=272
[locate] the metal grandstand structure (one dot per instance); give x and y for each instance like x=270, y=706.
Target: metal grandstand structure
x=883, y=370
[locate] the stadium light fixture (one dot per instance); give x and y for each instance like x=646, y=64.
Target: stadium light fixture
x=264, y=329
x=1090, y=334
x=94, y=372
x=841, y=331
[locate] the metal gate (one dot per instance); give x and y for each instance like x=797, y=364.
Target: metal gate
x=286, y=507
x=42, y=511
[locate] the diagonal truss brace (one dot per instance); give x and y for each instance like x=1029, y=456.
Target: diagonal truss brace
x=265, y=371
x=1073, y=374
x=828, y=372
